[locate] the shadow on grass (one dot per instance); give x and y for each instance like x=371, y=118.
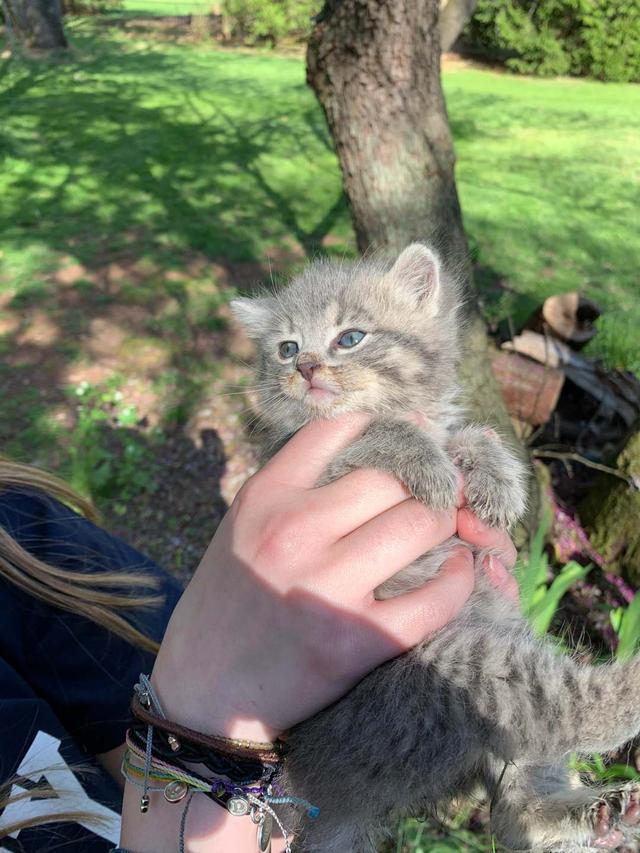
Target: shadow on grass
x=141, y=187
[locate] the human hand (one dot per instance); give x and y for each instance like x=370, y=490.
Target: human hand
x=500, y=562
x=280, y=619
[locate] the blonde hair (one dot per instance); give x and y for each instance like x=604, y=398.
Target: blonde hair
x=97, y=596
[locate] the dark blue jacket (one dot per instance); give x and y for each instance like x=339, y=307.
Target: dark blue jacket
x=65, y=683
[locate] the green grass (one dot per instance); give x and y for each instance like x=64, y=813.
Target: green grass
x=154, y=8
x=189, y=148
x=179, y=148
x=549, y=178
x=164, y=153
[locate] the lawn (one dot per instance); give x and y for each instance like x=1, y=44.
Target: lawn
x=146, y=177
x=164, y=7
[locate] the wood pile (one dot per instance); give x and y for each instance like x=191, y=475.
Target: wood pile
x=571, y=400
x=583, y=420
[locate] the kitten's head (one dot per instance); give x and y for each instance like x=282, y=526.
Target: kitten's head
x=370, y=336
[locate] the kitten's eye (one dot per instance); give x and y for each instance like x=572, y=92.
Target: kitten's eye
x=288, y=349
x=350, y=338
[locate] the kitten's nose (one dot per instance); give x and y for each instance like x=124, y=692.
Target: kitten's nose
x=306, y=368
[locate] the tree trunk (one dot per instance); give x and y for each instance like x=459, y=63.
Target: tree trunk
x=454, y=15
x=375, y=68
x=611, y=515
x=35, y=24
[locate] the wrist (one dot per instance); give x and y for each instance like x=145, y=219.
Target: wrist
x=159, y=830
x=185, y=705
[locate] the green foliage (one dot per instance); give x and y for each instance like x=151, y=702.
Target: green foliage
x=253, y=21
x=91, y=7
x=602, y=772
x=451, y=836
x=551, y=37
x=100, y=468
x=626, y=623
x=539, y=598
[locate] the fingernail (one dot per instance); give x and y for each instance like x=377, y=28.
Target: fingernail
x=495, y=570
x=474, y=522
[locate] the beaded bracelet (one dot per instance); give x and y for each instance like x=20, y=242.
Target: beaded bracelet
x=159, y=753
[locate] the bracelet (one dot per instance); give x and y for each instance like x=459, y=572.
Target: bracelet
x=160, y=751
x=238, y=770
x=177, y=735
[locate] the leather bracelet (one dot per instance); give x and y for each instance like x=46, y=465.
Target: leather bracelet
x=238, y=769
x=178, y=737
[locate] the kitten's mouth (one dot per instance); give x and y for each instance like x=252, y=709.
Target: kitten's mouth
x=320, y=391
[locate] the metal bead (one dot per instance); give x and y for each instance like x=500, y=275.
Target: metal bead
x=144, y=804
x=238, y=806
x=175, y=791
x=174, y=743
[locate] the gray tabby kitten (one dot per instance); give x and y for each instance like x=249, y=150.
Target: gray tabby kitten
x=484, y=701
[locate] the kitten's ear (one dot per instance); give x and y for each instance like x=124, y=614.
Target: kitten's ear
x=418, y=270
x=256, y=315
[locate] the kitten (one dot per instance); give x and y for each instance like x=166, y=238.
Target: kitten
x=483, y=701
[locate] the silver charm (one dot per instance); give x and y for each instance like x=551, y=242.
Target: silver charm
x=174, y=743
x=175, y=791
x=238, y=806
x=264, y=833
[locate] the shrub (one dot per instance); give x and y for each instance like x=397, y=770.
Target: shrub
x=597, y=38
x=91, y=7
x=253, y=21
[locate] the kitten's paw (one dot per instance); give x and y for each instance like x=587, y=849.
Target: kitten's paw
x=435, y=485
x=613, y=817
x=406, y=452
x=610, y=820
x=494, y=477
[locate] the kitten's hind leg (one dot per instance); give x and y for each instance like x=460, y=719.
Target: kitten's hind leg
x=549, y=810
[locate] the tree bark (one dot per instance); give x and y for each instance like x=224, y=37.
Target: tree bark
x=375, y=68
x=611, y=515
x=35, y=24
x=454, y=15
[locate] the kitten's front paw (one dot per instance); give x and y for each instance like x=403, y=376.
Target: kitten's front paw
x=436, y=484
x=495, y=500
x=494, y=477
x=403, y=450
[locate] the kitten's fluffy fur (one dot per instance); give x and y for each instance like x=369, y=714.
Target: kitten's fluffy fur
x=484, y=701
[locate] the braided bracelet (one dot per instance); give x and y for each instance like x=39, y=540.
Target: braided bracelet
x=160, y=751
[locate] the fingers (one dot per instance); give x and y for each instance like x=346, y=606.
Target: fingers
x=474, y=531
x=498, y=575
x=360, y=496
x=305, y=457
x=381, y=547
x=411, y=617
